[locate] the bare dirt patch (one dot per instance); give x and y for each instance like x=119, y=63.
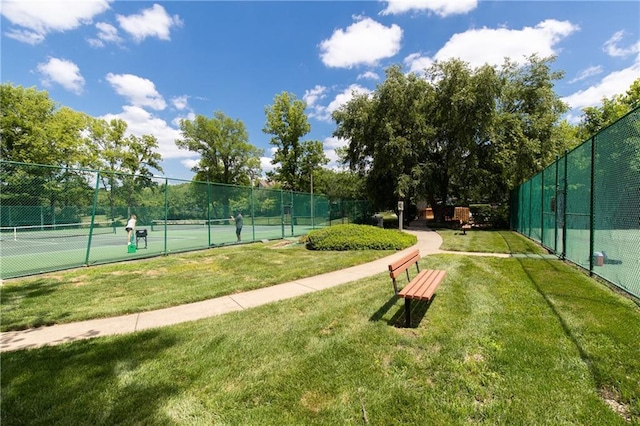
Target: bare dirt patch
x=610, y=397
x=281, y=244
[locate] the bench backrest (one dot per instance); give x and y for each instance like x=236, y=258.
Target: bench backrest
x=402, y=265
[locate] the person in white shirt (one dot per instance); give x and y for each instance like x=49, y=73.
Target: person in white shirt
x=131, y=226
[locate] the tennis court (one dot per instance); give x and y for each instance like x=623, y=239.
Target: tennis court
x=36, y=249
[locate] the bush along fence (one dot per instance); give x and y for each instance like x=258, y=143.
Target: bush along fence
x=585, y=207
x=54, y=218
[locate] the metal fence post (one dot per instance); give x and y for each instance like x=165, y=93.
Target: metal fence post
x=166, y=213
x=592, y=206
x=564, y=208
x=93, y=218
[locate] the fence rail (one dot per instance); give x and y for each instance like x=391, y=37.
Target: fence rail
x=55, y=218
x=585, y=207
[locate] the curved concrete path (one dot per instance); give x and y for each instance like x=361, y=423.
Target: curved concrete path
x=428, y=243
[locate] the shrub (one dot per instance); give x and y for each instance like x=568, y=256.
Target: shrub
x=359, y=237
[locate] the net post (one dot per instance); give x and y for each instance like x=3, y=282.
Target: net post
x=253, y=222
x=209, y=212
x=555, y=214
x=564, y=208
x=166, y=212
x=93, y=217
x=592, y=206
x=282, y=210
x=292, y=213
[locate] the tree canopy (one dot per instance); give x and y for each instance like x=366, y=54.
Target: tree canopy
x=226, y=156
x=455, y=133
x=293, y=159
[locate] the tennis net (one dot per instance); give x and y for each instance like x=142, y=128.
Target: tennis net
x=66, y=230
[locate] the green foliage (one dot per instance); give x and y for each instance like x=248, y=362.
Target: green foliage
x=359, y=237
x=294, y=160
x=597, y=118
x=496, y=217
x=339, y=185
x=461, y=133
x=226, y=156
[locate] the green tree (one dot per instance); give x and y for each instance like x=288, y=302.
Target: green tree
x=126, y=162
x=226, y=156
x=339, y=185
x=313, y=157
x=596, y=118
x=387, y=132
x=528, y=112
x=24, y=113
x=293, y=159
x=34, y=130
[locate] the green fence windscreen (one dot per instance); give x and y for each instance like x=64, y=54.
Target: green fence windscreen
x=588, y=203
x=54, y=218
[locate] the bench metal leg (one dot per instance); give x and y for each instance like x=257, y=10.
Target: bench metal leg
x=407, y=311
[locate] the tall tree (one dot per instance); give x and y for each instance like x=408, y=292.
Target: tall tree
x=287, y=123
x=596, y=118
x=387, y=132
x=226, y=156
x=313, y=157
x=126, y=162
x=461, y=113
x=528, y=112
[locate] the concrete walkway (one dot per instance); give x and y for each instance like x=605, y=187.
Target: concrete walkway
x=428, y=243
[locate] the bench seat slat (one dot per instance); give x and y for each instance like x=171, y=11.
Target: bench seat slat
x=423, y=285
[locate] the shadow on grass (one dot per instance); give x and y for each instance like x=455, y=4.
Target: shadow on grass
x=103, y=382
x=418, y=310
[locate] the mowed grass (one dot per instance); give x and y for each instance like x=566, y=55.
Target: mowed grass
x=488, y=241
x=505, y=341
x=129, y=287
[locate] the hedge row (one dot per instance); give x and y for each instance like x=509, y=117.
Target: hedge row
x=359, y=237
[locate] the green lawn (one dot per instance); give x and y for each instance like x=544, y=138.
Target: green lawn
x=129, y=287
x=505, y=341
x=486, y=241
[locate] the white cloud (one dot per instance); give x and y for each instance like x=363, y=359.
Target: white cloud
x=180, y=102
x=152, y=22
x=364, y=42
x=63, y=72
x=265, y=163
x=106, y=33
x=612, y=49
x=472, y=46
x=190, y=116
x=346, y=95
x=417, y=63
x=439, y=7
x=368, y=75
x=615, y=83
x=323, y=113
x=331, y=144
x=190, y=163
x=139, y=91
x=312, y=97
x=589, y=72
x=36, y=19
x=141, y=122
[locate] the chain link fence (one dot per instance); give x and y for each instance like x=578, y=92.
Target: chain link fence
x=55, y=218
x=585, y=207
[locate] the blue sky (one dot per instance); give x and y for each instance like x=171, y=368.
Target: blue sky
x=153, y=63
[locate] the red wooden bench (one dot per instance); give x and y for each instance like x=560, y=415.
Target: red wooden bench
x=421, y=287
